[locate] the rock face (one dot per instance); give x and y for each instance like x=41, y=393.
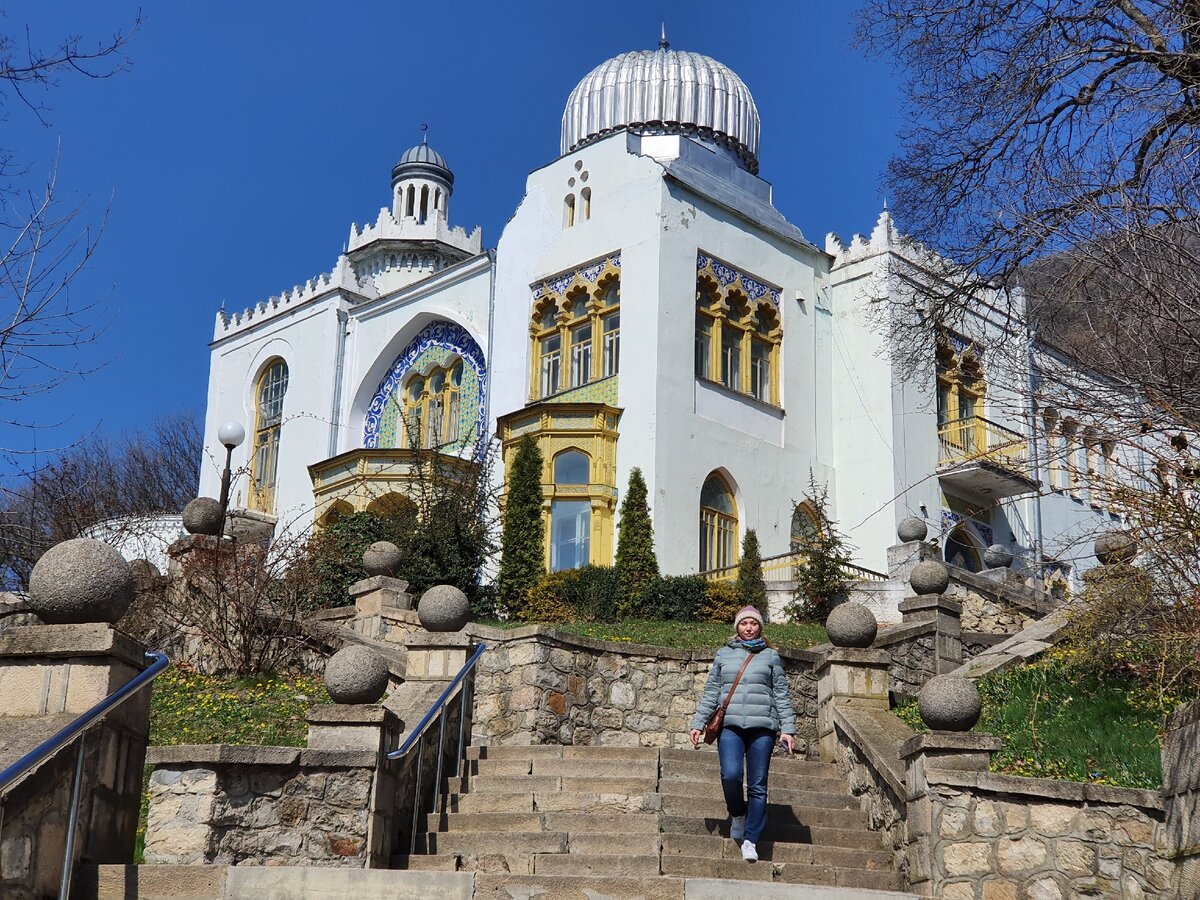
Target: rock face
x=851, y=625
x=81, y=580
x=202, y=516
x=356, y=674
x=949, y=703
x=911, y=529
x=382, y=558
x=443, y=608
x=929, y=577
x=1114, y=547
x=997, y=556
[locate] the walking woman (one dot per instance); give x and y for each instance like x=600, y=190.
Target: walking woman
x=750, y=674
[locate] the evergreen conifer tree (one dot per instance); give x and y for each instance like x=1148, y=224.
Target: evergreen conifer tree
x=822, y=555
x=751, y=585
x=522, y=557
x=637, y=567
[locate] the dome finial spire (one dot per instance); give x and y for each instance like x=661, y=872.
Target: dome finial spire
x=663, y=43
x=424, y=133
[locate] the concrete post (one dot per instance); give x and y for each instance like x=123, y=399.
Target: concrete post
x=373, y=596
x=946, y=615
x=436, y=656
x=849, y=677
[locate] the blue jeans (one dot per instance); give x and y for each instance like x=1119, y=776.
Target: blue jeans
x=746, y=749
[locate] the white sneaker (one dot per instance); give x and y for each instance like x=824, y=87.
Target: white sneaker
x=749, y=852
x=737, y=827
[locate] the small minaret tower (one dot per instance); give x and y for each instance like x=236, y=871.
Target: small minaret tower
x=421, y=187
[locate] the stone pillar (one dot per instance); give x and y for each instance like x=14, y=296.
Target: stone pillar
x=366, y=727
x=928, y=581
x=911, y=550
x=1181, y=791
x=372, y=597
x=436, y=656
x=849, y=676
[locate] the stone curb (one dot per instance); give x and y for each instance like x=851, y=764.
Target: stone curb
x=1049, y=789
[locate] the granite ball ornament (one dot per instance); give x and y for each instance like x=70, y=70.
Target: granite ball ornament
x=911, y=529
x=81, y=580
x=1114, y=547
x=851, y=625
x=382, y=558
x=356, y=674
x=202, y=516
x=997, y=556
x=949, y=703
x=929, y=577
x=443, y=608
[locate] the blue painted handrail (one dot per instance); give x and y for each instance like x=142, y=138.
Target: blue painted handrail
x=52, y=744
x=437, y=707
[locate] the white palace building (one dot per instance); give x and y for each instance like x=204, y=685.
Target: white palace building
x=646, y=306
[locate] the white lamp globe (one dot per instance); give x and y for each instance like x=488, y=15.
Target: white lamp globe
x=231, y=434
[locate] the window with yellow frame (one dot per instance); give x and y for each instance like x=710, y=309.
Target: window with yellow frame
x=269, y=392
x=737, y=341
x=576, y=337
x=960, y=398
x=432, y=406
x=718, y=525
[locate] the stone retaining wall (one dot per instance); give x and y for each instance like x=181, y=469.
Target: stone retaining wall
x=991, y=615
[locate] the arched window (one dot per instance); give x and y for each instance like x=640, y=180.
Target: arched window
x=805, y=525
x=569, y=211
x=432, y=406
x=718, y=525
x=586, y=196
x=335, y=512
x=412, y=200
x=737, y=339
x=268, y=422
x=570, y=519
x=960, y=393
x=394, y=506
x=424, y=204
x=568, y=338
x=961, y=550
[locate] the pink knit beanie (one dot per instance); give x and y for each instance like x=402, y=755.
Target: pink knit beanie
x=748, y=612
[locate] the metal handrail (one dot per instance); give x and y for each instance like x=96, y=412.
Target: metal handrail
x=784, y=561
x=72, y=731
x=418, y=737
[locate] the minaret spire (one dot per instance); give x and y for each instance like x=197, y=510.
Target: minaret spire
x=663, y=43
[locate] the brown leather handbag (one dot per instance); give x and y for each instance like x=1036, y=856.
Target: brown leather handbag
x=712, y=728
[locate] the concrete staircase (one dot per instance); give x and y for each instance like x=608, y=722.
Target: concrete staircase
x=568, y=822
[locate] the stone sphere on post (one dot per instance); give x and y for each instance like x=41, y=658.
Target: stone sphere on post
x=443, y=608
x=851, y=625
x=1115, y=547
x=202, y=516
x=949, y=703
x=382, y=558
x=78, y=581
x=356, y=674
x=997, y=556
x=929, y=577
x=911, y=529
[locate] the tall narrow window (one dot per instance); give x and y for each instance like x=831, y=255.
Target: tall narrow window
x=612, y=344
x=570, y=520
x=569, y=211
x=581, y=354
x=271, y=388
x=760, y=370
x=551, y=364
x=454, y=404
x=718, y=525
x=412, y=201
x=424, y=204
x=703, y=345
x=586, y=195
x=731, y=358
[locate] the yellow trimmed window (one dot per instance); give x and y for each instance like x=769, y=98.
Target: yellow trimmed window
x=718, y=525
x=737, y=341
x=431, y=406
x=960, y=393
x=576, y=339
x=268, y=423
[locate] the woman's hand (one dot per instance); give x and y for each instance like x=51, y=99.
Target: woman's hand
x=694, y=734
x=788, y=741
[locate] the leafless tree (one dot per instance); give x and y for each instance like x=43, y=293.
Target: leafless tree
x=44, y=240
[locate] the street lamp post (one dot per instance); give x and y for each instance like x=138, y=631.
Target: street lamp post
x=231, y=434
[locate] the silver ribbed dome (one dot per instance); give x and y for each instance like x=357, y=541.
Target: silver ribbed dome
x=423, y=153
x=422, y=160
x=664, y=91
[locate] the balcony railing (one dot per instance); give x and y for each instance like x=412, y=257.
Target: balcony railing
x=783, y=568
x=975, y=439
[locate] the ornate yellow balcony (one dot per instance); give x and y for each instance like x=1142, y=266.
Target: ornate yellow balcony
x=980, y=457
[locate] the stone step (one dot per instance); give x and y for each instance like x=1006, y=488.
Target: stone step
x=545, y=751
x=594, y=864
x=490, y=886
x=778, y=814
x=707, y=790
x=598, y=768
x=681, y=773
x=566, y=783
x=614, y=843
x=712, y=847
x=631, y=823
x=836, y=876
x=552, y=801
x=484, y=843
x=849, y=838
x=169, y=882
x=699, y=867
x=424, y=862
x=782, y=764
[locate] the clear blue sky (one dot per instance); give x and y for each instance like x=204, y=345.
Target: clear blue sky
x=246, y=138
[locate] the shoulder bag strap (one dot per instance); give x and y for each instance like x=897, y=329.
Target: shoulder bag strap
x=749, y=656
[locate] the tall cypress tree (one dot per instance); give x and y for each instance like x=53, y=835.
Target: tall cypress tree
x=637, y=567
x=751, y=585
x=522, y=557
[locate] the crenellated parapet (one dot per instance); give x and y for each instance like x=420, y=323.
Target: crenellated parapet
x=881, y=239
x=342, y=278
x=387, y=228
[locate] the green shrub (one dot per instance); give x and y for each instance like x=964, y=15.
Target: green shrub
x=751, y=585
x=522, y=558
x=546, y=600
x=722, y=600
x=586, y=594
x=636, y=565
x=333, y=560
x=675, y=597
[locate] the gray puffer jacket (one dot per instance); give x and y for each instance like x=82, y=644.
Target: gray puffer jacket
x=762, y=699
